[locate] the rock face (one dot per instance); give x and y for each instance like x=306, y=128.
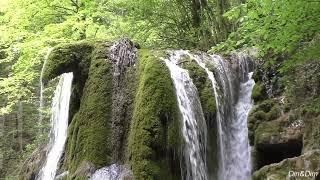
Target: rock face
x=306, y=167
x=124, y=57
x=284, y=124
x=104, y=127
x=154, y=140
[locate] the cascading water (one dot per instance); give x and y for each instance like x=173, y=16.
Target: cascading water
x=235, y=103
x=194, y=128
x=59, y=125
x=232, y=86
x=202, y=64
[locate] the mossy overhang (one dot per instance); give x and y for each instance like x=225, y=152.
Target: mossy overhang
x=71, y=57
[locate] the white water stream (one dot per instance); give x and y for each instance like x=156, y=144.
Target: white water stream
x=194, y=130
x=232, y=89
x=59, y=125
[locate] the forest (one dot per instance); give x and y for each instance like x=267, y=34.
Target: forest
x=161, y=89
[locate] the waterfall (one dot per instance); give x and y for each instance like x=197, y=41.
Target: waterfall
x=41, y=103
x=59, y=125
x=240, y=157
x=194, y=130
x=202, y=64
x=234, y=102
x=232, y=85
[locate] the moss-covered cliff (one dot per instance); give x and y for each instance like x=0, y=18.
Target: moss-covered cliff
x=121, y=111
x=124, y=110
x=208, y=103
x=284, y=125
x=154, y=137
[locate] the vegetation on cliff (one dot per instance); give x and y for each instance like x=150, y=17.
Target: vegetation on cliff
x=154, y=140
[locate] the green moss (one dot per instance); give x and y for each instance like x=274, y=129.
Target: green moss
x=203, y=84
x=73, y=57
x=155, y=128
x=313, y=107
x=266, y=105
x=274, y=113
x=266, y=130
x=90, y=129
x=258, y=92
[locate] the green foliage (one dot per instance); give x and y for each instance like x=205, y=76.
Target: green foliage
x=188, y=24
x=275, y=27
x=155, y=126
x=309, y=53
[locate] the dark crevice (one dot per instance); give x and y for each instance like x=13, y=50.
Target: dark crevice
x=275, y=153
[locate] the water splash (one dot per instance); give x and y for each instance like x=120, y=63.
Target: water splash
x=113, y=172
x=59, y=124
x=194, y=129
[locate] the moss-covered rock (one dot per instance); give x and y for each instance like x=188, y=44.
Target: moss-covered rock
x=311, y=136
x=258, y=92
x=73, y=57
x=266, y=110
x=101, y=103
x=90, y=129
x=203, y=84
x=267, y=132
x=154, y=138
x=277, y=132
x=307, y=163
x=207, y=98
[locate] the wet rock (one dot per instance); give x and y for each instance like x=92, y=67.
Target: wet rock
x=33, y=164
x=308, y=164
x=85, y=170
x=123, y=55
x=62, y=175
x=113, y=172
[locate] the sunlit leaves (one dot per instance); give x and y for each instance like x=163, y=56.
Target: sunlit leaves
x=276, y=27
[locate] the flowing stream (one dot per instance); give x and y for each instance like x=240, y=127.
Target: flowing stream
x=194, y=130
x=59, y=125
